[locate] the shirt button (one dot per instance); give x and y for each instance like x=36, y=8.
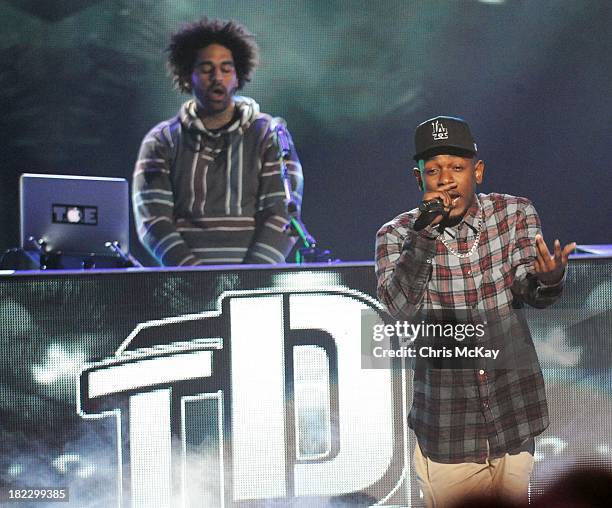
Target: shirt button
x=481, y=372
x=469, y=272
x=485, y=403
x=429, y=261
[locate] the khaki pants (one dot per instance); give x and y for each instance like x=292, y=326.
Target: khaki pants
x=446, y=484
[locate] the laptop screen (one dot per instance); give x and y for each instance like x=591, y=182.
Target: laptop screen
x=74, y=214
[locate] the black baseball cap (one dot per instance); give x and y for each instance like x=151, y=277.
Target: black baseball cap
x=443, y=135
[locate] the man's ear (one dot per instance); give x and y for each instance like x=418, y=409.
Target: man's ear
x=419, y=178
x=479, y=169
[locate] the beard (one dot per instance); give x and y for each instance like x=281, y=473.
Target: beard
x=215, y=99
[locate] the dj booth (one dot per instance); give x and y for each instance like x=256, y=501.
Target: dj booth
x=245, y=386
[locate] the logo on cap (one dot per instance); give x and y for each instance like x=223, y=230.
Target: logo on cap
x=439, y=131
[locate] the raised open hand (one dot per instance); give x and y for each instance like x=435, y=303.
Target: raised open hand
x=549, y=267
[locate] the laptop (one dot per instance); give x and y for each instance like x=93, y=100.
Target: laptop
x=76, y=215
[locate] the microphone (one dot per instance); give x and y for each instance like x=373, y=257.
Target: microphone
x=429, y=211
x=282, y=140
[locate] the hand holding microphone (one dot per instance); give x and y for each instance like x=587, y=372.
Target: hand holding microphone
x=436, y=206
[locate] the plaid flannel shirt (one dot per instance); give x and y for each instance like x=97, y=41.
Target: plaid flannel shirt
x=463, y=415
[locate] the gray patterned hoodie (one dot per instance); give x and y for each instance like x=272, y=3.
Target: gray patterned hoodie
x=204, y=196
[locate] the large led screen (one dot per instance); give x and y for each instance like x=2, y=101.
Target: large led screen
x=246, y=387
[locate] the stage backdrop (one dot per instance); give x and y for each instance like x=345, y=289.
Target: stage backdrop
x=82, y=81
x=212, y=387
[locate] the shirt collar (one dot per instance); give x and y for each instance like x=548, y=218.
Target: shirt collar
x=247, y=111
x=215, y=133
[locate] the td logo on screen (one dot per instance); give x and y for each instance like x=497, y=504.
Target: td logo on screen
x=262, y=399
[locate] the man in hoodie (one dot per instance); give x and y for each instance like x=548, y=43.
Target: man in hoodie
x=207, y=187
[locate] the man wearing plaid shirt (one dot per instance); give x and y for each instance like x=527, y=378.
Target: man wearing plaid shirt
x=480, y=254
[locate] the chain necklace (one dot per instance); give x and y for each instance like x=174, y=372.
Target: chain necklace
x=476, y=240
